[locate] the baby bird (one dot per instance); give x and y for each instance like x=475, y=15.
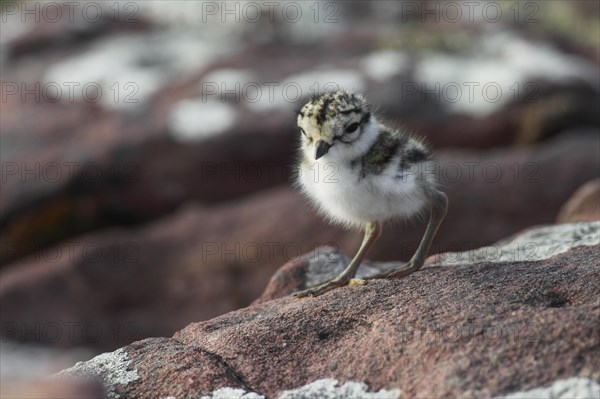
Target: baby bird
x=360, y=173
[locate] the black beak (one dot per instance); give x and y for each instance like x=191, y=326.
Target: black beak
x=322, y=149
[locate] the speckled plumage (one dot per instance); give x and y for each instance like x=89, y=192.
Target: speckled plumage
x=381, y=162
x=359, y=173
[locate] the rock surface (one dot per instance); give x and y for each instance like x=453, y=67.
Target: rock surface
x=220, y=258
x=492, y=327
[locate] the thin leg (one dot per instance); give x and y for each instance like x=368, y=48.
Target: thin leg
x=372, y=233
x=436, y=216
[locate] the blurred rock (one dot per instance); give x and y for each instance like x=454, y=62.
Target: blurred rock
x=25, y=372
x=134, y=183
x=152, y=280
x=65, y=389
x=164, y=201
x=45, y=30
x=583, y=206
x=19, y=361
x=445, y=331
x=118, y=285
x=185, y=105
x=512, y=189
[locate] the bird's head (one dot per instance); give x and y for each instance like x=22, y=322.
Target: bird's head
x=332, y=122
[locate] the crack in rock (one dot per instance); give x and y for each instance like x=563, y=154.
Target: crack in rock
x=230, y=368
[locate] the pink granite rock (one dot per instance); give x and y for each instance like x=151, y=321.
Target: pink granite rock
x=477, y=329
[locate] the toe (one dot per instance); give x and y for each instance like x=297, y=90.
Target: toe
x=321, y=289
x=403, y=271
x=304, y=293
x=398, y=272
x=357, y=281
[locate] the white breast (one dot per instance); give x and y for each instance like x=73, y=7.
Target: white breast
x=339, y=192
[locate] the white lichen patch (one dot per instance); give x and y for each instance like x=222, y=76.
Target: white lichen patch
x=497, y=72
x=324, y=265
x=111, y=369
x=299, y=22
x=230, y=83
x=195, y=119
x=14, y=23
x=232, y=393
x=381, y=66
x=571, y=388
x=329, y=388
x=532, y=245
x=125, y=71
x=285, y=95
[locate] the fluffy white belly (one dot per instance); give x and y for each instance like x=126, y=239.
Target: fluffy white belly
x=345, y=198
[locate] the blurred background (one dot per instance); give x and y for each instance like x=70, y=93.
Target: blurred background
x=147, y=147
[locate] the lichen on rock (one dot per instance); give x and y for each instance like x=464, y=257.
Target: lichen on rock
x=111, y=369
x=532, y=245
x=570, y=388
x=331, y=389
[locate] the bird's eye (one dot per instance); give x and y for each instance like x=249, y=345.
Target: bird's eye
x=303, y=132
x=352, y=127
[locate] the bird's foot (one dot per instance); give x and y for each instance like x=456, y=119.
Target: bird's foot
x=328, y=286
x=404, y=270
x=357, y=281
